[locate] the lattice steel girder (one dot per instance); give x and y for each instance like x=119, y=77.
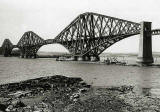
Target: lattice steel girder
x=30, y=43
x=30, y=39
x=7, y=44
x=30, y=51
x=88, y=29
x=100, y=45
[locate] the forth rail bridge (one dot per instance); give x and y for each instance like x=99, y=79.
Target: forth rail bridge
x=87, y=36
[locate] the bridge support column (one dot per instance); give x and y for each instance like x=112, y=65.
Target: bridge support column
x=25, y=56
x=21, y=55
x=95, y=58
x=81, y=58
x=30, y=56
x=87, y=58
x=145, y=44
x=35, y=56
x=74, y=58
x=7, y=52
x=84, y=58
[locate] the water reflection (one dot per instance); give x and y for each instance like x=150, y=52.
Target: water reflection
x=145, y=74
x=147, y=83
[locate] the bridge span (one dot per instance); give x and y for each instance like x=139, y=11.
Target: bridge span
x=87, y=36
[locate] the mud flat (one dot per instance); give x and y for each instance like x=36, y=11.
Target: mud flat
x=72, y=94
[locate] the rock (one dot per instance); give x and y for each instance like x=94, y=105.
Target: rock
x=83, y=90
x=75, y=96
x=65, y=89
x=75, y=100
x=87, y=86
x=123, y=89
x=9, y=108
x=19, y=104
x=74, y=80
x=3, y=107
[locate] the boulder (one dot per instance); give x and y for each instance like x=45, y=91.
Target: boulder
x=3, y=107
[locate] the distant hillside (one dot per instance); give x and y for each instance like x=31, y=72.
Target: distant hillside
x=51, y=53
x=157, y=54
x=118, y=54
x=103, y=54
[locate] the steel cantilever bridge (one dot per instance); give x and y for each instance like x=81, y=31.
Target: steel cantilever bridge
x=88, y=35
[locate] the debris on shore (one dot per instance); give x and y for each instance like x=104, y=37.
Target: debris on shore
x=72, y=94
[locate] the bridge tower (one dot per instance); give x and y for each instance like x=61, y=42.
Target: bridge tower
x=6, y=48
x=145, y=44
x=29, y=44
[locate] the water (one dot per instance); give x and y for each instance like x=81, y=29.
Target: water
x=13, y=69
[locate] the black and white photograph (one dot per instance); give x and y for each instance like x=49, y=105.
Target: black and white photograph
x=79, y=56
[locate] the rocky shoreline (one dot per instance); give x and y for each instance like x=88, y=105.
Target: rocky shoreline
x=72, y=94
x=39, y=90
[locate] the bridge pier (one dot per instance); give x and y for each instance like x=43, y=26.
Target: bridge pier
x=74, y=58
x=25, y=56
x=21, y=55
x=7, y=52
x=95, y=58
x=87, y=58
x=81, y=58
x=84, y=58
x=35, y=56
x=145, y=44
x=30, y=56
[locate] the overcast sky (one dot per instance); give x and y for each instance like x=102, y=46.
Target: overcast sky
x=48, y=18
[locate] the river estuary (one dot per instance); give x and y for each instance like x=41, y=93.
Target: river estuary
x=14, y=69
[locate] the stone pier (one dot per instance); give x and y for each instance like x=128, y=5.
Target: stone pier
x=74, y=58
x=26, y=56
x=95, y=58
x=145, y=44
x=21, y=55
x=80, y=58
